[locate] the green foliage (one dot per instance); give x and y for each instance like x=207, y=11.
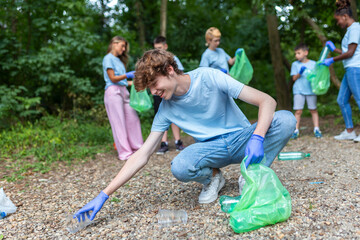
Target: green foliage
x=35, y=147
x=15, y=105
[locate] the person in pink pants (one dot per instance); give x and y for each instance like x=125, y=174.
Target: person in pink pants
x=124, y=121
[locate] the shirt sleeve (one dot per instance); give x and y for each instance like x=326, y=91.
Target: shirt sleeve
x=160, y=123
x=226, y=83
x=204, y=62
x=294, y=69
x=107, y=63
x=354, y=36
x=180, y=66
x=227, y=56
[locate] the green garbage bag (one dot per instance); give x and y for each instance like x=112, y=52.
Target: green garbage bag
x=264, y=200
x=319, y=79
x=242, y=69
x=140, y=101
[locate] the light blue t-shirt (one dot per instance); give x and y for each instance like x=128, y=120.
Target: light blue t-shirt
x=114, y=63
x=352, y=35
x=207, y=109
x=215, y=59
x=180, y=66
x=302, y=85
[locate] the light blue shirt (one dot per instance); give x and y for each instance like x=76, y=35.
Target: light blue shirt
x=302, y=85
x=207, y=109
x=114, y=63
x=180, y=66
x=215, y=59
x=352, y=35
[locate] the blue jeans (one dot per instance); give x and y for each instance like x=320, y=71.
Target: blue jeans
x=350, y=85
x=195, y=162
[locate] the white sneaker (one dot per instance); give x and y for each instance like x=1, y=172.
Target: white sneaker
x=241, y=183
x=210, y=191
x=346, y=136
x=357, y=139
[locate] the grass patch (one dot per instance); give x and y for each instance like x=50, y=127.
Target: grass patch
x=35, y=147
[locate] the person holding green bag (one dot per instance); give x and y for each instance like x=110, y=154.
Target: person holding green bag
x=350, y=55
x=302, y=89
x=214, y=56
x=124, y=121
x=201, y=102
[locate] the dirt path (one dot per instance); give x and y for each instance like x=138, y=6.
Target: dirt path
x=330, y=210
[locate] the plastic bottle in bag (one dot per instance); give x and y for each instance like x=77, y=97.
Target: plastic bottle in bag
x=74, y=225
x=324, y=53
x=171, y=217
x=228, y=203
x=293, y=155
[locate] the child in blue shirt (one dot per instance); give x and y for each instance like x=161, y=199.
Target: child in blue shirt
x=201, y=102
x=302, y=89
x=214, y=56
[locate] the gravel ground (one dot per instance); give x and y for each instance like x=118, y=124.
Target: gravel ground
x=319, y=211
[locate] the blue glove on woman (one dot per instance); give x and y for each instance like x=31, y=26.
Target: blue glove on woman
x=302, y=69
x=130, y=74
x=94, y=205
x=327, y=62
x=330, y=45
x=254, y=150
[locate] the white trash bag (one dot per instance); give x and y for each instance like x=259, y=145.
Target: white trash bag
x=6, y=205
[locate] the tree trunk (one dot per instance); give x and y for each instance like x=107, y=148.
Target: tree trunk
x=29, y=21
x=163, y=12
x=282, y=92
x=323, y=39
x=140, y=24
x=354, y=9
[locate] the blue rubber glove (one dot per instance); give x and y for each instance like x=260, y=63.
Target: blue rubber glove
x=130, y=74
x=238, y=51
x=302, y=69
x=327, y=62
x=254, y=150
x=223, y=70
x=94, y=205
x=330, y=45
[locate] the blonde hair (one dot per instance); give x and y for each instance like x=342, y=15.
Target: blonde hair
x=123, y=57
x=211, y=33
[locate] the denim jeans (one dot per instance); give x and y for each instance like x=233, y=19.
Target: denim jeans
x=350, y=85
x=195, y=162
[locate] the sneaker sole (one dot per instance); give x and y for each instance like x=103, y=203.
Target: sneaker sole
x=221, y=185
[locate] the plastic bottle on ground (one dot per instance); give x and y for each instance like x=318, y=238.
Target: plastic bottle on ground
x=74, y=225
x=293, y=155
x=228, y=203
x=171, y=217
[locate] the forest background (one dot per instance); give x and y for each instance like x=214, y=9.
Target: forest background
x=51, y=79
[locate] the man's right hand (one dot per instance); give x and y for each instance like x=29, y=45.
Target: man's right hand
x=330, y=45
x=94, y=205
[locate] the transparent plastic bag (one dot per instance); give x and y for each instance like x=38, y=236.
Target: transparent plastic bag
x=6, y=205
x=319, y=79
x=264, y=200
x=242, y=69
x=140, y=101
